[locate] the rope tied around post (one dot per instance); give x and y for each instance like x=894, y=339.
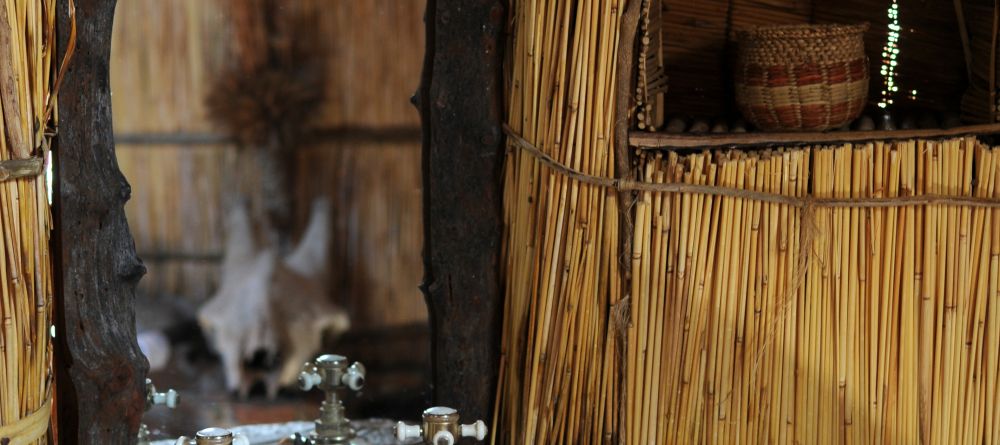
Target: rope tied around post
x=21, y=168
x=29, y=428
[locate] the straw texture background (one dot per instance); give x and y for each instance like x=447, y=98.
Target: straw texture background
x=762, y=323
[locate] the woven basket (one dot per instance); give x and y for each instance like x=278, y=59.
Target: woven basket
x=802, y=77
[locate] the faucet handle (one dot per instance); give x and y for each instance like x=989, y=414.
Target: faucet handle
x=354, y=378
x=330, y=372
x=404, y=431
x=309, y=378
x=476, y=430
x=170, y=398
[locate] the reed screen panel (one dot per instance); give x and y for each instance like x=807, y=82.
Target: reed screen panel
x=808, y=294
x=828, y=294
x=557, y=381
x=823, y=321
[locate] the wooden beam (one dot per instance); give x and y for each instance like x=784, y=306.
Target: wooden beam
x=100, y=369
x=163, y=256
x=342, y=134
x=460, y=103
x=664, y=140
x=162, y=139
x=402, y=134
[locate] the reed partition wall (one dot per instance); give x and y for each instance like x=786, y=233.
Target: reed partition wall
x=836, y=287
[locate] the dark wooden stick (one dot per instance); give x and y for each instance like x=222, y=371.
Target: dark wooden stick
x=624, y=108
x=99, y=368
x=460, y=105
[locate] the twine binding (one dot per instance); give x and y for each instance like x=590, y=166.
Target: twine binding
x=28, y=429
x=21, y=168
x=628, y=185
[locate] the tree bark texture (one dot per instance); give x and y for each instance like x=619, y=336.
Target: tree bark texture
x=460, y=103
x=100, y=369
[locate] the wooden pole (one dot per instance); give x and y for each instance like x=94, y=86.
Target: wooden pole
x=100, y=369
x=459, y=100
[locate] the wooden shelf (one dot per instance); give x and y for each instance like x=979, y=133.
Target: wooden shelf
x=646, y=140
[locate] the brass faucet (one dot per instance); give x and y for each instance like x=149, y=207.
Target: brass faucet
x=330, y=373
x=441, y=427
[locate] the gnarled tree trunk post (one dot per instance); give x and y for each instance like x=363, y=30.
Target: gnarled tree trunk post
x=100, y=369
x=460, y=102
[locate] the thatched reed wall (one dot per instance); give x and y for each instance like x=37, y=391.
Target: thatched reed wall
x=377, y=235
x=699, y=48
x=165, y=58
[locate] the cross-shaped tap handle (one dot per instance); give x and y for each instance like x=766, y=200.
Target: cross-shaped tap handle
x=330, y=372
x=440, y=427
x=170, y=398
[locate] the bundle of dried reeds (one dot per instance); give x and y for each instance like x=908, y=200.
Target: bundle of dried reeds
x=558, y=367
x=27, y=62
x=762, y=322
